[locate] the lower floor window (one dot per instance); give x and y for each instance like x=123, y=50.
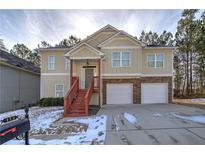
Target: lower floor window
x=59, y=90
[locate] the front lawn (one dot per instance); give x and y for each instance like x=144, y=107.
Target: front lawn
x=49, y=127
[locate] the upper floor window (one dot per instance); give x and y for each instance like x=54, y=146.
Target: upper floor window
x=51, y=62
x=121, y=59
x=59, y=90
x=66, y=64
x=155, y=60
x=151, y=60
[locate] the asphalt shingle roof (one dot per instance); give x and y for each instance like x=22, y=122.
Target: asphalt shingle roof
x=18, y=62
x=153, y=45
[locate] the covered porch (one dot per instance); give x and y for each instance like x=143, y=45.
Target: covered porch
x=85, y=80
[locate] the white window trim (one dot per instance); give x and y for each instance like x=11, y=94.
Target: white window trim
x=155, y=60
x=121, y=59
x=63, y=89
x=49, y=62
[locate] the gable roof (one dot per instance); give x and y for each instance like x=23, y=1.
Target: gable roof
x=117, y=34
x=17, y=62
x=93, y=49
x=102, y=29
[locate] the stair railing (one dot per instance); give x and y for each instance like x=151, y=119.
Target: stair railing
x=71, y=94
x=88, y=95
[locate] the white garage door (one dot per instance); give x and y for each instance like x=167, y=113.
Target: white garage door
x=119, y=94
x=154, y=93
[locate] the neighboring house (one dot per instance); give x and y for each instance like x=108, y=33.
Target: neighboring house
x=125, y=71
x=19, y=82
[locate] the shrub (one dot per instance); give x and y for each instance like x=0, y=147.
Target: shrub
x=51, y=101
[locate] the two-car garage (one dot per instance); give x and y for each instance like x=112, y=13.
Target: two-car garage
x=122, y=93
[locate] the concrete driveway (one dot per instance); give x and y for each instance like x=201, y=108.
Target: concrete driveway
x=155, y=124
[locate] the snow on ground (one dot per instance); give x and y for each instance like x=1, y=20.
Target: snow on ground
x=194, y=118
x=95, y=133
x=41, y=118
x=115, y=124
x=198, y=100
x=131, y=118
x=157, y=114
x=42, y=123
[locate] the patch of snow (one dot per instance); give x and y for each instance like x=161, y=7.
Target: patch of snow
x=194, y=118
x=44, y=121
x=157, y=115
x=38, y=142
x=95, y=134
x=198, y=100
x=41, y=118
x=116, y=124
x=131, y=118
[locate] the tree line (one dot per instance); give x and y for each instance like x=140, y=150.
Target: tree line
x=33, y=56
x=189, y=55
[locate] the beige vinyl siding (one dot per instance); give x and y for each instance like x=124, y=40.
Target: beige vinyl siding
x=121, y=42
x=48, y=84
x=94, y=99
x=166, y=69
x=84, y=51
x=59, y=62
x=99, y=38
x=135, y=61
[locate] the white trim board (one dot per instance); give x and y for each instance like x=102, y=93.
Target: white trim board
x=121, y=74
x=110, y=74
x=54, y=74
x=54, y=49
x=83, y=58
x=153, y=75
x=135, y=74
x=122, y=47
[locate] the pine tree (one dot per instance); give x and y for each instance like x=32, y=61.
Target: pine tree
x=2, y=46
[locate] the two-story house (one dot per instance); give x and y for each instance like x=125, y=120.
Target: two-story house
x=108, y=67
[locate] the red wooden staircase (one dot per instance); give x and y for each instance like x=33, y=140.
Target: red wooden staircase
x=76, y=101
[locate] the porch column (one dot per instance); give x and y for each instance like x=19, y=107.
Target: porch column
x=99, y=70
x=71, y=72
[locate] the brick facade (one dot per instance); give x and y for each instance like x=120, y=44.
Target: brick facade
x=137, y=86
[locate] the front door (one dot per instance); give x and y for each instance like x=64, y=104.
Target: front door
x=89, y=73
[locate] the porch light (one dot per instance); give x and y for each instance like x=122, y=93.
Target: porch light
x=87, y=62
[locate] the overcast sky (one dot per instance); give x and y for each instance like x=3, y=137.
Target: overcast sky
x=33, y=26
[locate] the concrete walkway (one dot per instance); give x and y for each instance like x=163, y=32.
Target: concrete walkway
x=155, y=125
